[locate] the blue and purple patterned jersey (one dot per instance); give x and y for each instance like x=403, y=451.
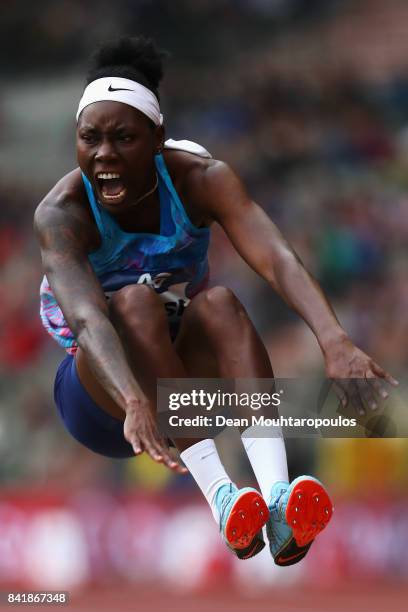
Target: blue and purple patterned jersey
x=174, y=263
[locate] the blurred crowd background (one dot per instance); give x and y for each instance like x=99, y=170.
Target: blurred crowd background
x=308, y=101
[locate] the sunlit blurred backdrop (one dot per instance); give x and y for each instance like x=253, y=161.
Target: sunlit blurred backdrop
x=308, y=101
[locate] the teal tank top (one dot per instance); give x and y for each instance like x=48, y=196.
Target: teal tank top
x=174, y=262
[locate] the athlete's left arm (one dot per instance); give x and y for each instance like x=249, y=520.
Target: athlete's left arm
x=221, y=194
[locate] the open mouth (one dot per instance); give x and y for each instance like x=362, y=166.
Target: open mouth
x=111, y=186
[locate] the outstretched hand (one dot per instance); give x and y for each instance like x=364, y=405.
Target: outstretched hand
x=357, y=379
x=140, y=430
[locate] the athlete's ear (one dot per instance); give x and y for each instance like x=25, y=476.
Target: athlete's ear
x=160, y=134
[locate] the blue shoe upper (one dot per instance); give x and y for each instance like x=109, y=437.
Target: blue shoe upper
x=278, y=531
x=224, y=499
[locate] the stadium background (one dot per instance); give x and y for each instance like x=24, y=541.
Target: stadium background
x=308, y=101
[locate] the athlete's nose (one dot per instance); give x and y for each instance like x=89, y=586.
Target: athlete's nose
x=105, y=152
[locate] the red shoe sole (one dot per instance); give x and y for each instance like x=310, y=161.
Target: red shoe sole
x=308, y=511
x=247, y=516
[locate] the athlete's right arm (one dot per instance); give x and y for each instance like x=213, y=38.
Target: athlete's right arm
x=64, y=237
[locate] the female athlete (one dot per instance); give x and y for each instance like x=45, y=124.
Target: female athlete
x=124, y=241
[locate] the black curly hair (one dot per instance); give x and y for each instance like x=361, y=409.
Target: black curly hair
x=138, y=59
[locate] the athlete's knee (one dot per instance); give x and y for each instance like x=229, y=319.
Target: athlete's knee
x=137, y=306
x=220, y=304
x=131, y=298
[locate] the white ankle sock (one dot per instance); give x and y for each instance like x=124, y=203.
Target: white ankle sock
x=268, y=459
x=204, y=464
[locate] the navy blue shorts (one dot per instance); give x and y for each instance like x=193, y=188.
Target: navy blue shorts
x=85, y=420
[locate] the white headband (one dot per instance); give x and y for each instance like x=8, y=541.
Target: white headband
x=126, y=91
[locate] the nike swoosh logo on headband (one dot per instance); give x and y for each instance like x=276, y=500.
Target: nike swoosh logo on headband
x=110, y=88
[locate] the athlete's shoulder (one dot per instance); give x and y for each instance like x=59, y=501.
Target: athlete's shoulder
x=65, y=199
x=193, y=170
x=181, y=162
x=65, y=206
x=189, y=163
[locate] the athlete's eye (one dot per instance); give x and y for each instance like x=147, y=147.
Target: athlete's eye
x=125, y=137
x=88, y=137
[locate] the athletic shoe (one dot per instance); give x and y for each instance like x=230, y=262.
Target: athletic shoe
x=298, y=513
x=243, y=513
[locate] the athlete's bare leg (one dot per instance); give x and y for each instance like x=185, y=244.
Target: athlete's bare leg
x=140, y=320
x=218, y=324
x=216, y=338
